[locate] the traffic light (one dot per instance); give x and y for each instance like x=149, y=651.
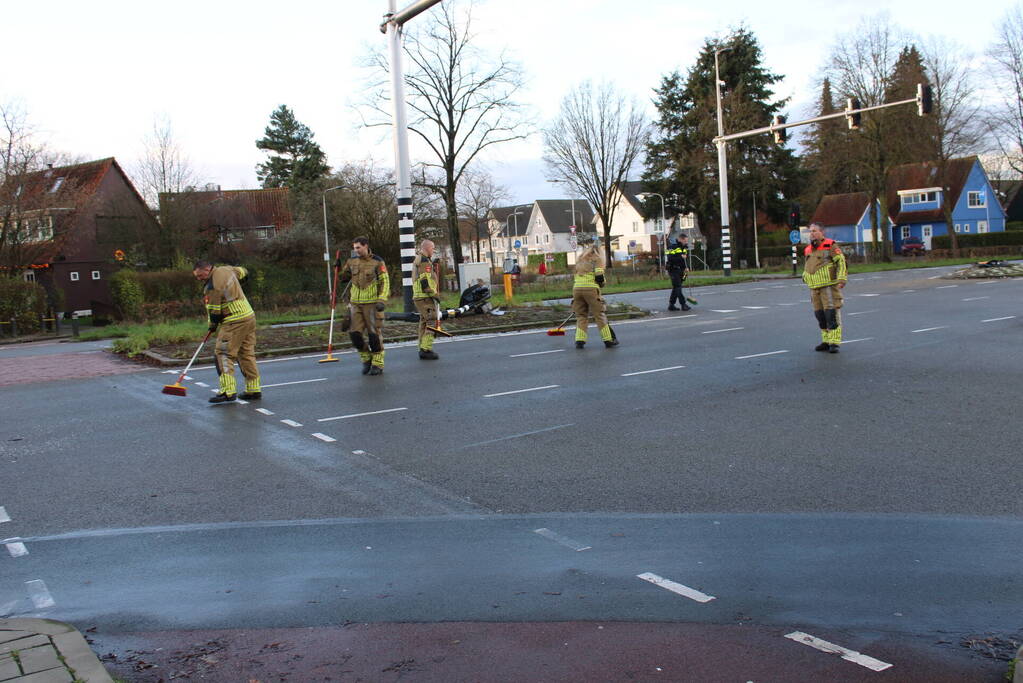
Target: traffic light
x=924, y=99
x=782, y=134
x=794, y=220
x=852, y=118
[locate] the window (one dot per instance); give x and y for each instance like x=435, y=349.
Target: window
x=981, y=226
x=547, y=239
x=30, y=276
x=56, y=184
x=635, y=226
x=905, y=231
x=959, y=228
x=95, y=275
x=966, y=227
x=976, y=200
x=74, y=276
x=929, y=197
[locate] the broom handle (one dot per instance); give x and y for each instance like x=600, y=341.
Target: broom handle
x=194, y=356
x=565, y=321
x=333, y=304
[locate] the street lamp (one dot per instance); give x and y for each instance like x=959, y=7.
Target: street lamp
x=515, y=214
x=726, y=238
x=664, y=232
x=326, y=246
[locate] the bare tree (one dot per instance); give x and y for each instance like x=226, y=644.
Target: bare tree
x=476, y=196
x=461, y=100
x=163, y=167
x=1007, y=68
x=594, y=144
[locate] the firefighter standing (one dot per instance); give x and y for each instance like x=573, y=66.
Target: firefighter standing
x=677, y=262
x=370, y=288
x=586, y=299
x=234, y=321
x=825, y=273
x=426, y=297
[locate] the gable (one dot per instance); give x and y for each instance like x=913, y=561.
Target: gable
x=926, y=175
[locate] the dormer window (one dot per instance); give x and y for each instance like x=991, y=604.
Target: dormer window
x=976, y=200
x=56, y=184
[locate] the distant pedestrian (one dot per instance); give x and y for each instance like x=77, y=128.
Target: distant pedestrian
x=370, y=288
x=825, y=273
x=426, y=297
x=231, y=316
x=586, y=299
x=677, y=263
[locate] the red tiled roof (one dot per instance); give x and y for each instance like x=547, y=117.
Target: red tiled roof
x=80, y=182
x=242, y=208
x=841, y=209
x=923, y=175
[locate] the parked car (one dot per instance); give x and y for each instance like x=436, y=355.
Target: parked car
x=913, y=245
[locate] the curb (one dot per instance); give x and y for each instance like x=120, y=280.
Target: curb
x=163, y=360
x=1017, y=676
x=50, y=640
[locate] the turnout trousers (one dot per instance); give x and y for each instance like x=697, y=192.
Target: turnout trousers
x=236, y=343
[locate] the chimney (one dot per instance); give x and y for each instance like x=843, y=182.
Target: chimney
x=50, y=166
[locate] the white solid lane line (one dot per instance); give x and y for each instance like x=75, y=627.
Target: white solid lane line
x=989, y=320
x=682, y=590
x=729, y=329
x=535, y=353
x=292, y=423
x=558, y=538
x=372, y=412
x=929, y=329
x=645, y=372
x=757, y=355
x=301, y=381
x=39, y=594
x=831, y=648
x=875, y=310
x=521, y=391
x=518, y=436
x=324, y=437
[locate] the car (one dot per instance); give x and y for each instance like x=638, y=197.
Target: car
x=913, y=245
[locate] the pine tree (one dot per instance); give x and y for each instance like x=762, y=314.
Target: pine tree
x=912, y=136
x=826, y=158
x=298, y=161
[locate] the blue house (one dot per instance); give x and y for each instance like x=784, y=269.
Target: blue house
x=846, y=219
x=915, y=193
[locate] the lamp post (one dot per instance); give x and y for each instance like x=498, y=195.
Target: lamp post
x=326, y=245
x=514, y=215
x=726, y=238
x=664, y=233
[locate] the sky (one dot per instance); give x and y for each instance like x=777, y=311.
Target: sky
x=93, y=77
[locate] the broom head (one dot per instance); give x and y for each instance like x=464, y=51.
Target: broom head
x=438, y=330
x=692, y=301
x=556, y=332
x=328, y=359
x=175, y=389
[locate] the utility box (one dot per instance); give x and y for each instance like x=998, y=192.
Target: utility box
x=474, y=273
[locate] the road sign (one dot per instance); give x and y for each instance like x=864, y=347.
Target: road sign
x=794, y=237
x=518, y=243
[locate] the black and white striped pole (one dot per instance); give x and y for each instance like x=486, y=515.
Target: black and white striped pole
x=392, y=26
x=726, y=237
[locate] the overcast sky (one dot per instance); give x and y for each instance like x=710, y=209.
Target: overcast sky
x=94, y=75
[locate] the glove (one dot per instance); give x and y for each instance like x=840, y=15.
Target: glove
x=381, y=306
x=215, y=320
x=599, y=279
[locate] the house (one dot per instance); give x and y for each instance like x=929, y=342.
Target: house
x=68, y=227
x=1011, y=198
x=631, y=232
x=915, y=195
x=228, y=215
x=506, y=225
x=846, y=219
x=554, y=223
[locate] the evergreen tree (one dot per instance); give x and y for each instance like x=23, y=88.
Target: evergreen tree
x=826, y=157
x=297, y=161
x=912, y=136
x=682, y=158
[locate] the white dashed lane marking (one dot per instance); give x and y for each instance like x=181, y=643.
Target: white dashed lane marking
x=16, y=548
x=373, y=412
x=976, y=298
x=521, y=391
x=757, y=355
x=558, y=538
x=989, y=320
x=831, y=648
x=647, y=372
x=39, y=594
x=264, y=411
x=728, y=329
x=931, y=329
x=4, y=517
x=292, y=423
x=674, y=587
x=324, y=437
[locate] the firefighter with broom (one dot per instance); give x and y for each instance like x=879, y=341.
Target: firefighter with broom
x=426, y=297
x=586, y=299
x=232, y=318
x=370, y=288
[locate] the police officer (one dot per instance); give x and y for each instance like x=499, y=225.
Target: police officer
x=426, y=297
x=234, y=321
x=825, y=273
x=586, y=299
x=370, y=288
x=677, y=262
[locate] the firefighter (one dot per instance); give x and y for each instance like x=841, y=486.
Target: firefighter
x=234, y=321
x=825, y=273
x=367, y=300
x=426, y=297
x=677, y=261
x=586, y=299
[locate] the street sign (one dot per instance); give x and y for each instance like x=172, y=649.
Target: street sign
x=794, y=237
x=518, y=243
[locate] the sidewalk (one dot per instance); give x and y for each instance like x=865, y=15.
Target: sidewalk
x=46, y=651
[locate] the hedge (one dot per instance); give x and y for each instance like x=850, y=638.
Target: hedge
x=23, y=301
x=560, y=260
x=986, y=239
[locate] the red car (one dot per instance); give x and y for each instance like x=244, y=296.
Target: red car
x=913, y=245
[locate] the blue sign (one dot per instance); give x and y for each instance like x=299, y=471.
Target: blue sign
x=794, y=237
x=518, y=243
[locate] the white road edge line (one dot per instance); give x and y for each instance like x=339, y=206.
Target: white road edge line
x=558, y=538
x=521, y=391
x=757, y=355
x=301, y=381
x=667, y=584
x=535, y=353
x=324, y=437
x=373, y=412
x=292, y=423
x=831, y=648
x=730, y=329
x=16, y=549
x=989, y=320
x=39, y=594
x=4, y=517
x=929, y=329
x=645, y=372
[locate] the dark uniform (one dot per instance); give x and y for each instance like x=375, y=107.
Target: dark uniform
x=232, y=316
x=367, y=300
x=586, y=299
x=823, y=270
x=678, y=255
x=425, y=297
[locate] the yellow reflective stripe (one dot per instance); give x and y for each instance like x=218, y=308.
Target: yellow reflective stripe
x=237, y=310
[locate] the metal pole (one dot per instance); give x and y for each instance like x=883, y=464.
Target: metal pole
x=726, y=238
x=756, y=244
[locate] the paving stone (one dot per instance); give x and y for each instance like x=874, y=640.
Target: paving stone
x=52, y=676
x=8, y=668
x=14, y=635
x=32, y=641
x=39, y=658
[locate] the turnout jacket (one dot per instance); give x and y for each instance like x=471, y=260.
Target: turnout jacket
x=370, y=283
x=424, y=278
x=587, y=268
x=224, y=297
x=825, y=264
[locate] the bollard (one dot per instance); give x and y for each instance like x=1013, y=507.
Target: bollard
x=793, y=259
x=74, y=325
x=14, y=327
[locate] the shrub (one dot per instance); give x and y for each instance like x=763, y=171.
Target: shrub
x=23, y=301
x=986, y=239
x=127, y=293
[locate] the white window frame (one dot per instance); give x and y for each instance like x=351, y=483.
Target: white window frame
x=74, y=276
x=982, y=226
x=958, y=228
x=905, y=231
x=547, y=238
x=973, y=199
x=95, y=275
x=966, y=227
x=29, y=276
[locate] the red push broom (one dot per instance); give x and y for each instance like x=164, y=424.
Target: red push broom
x=559, y=331
x=177, y=389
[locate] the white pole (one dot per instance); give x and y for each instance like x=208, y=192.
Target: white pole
x=726, y=238
x=756, y=245
x=326, y=247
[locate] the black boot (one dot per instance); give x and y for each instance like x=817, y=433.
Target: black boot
x=580, y=344
x=834, y=348
x=223, y=398
x=823, y=346
x=610, y=343
x=673, y=307
x=365, y=367
x=375, y=370
x=686, y=307
x=428, y=354
x=251, y=396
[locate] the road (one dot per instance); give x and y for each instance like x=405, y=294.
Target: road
x=871, y=494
